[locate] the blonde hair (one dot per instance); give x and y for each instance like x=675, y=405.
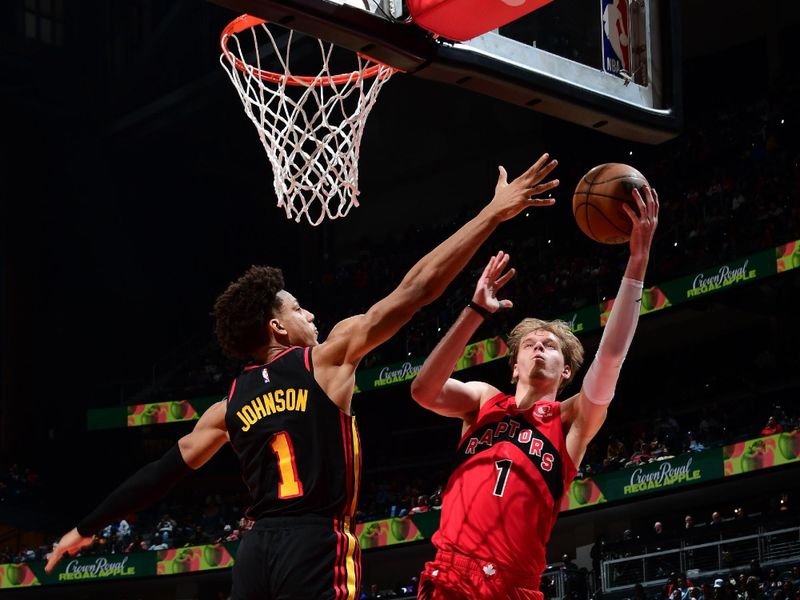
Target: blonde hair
x=571, y=347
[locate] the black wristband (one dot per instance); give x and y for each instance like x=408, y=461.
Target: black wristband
x=479, y=309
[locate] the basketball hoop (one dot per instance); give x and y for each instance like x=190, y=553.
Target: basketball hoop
x=310, y=126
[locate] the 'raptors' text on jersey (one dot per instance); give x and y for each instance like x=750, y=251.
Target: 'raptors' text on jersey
x=502, y=498
x=299, y=453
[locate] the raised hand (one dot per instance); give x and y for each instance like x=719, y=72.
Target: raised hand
x=645, y=221
x=491, y=281
x=510, y=199
x=70, y=543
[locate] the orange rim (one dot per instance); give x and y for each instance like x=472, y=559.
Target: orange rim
x=243, y=22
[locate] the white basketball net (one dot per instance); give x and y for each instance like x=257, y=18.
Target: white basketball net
x=310, y=127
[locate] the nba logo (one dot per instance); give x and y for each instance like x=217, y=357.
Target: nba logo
x=265, y=374
x=616, y=57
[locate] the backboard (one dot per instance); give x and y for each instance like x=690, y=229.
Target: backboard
x=610, y=65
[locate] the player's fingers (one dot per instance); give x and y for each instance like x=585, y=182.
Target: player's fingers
x=641, y=207
x=535, y=167
x=487, y=270
x=655, y=204
x=548, y=168
x=504, y=279
x=501, y=260
x=541, y=201
x=506, y=304
x=541, y=188
x=55, y=556
x=502, y=177
x=631, y=215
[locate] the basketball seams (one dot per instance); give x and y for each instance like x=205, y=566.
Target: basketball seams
x=605, y=188
x=605, y=217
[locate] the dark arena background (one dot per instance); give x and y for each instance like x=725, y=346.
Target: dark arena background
x=134, y=189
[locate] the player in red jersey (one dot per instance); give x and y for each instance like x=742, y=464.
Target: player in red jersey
x=518, y=453
x=289, y=420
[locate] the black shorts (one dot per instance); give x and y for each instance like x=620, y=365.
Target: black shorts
x=297, y=558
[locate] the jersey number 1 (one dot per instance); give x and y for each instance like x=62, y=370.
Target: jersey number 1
x=290, y=485
x=503, y=467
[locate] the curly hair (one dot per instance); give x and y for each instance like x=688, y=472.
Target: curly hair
x=571, y=347
x=242, y=311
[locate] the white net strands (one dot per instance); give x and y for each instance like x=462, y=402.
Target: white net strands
x=310, y=126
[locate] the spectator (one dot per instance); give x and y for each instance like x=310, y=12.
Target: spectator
x=421, y=505
x=124, y=532
x=772, y=427
x=165, y=528
x=692, y=444
x=158, y=544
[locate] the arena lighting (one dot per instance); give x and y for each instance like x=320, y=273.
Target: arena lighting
x=548, y=241
x=675, y=244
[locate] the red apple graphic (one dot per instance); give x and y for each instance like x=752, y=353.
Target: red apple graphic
x=150, y=415
x=754, y=458
x=183, y=562
x=370, y=537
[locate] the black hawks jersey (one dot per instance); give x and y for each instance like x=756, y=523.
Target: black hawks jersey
x=299, y=453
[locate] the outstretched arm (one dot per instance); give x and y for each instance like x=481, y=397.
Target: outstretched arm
x=151, y=482
x=586, y=412
x=432, y=388
x=353, y=338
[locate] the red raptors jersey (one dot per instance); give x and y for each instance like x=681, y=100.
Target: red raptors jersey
x=502, y=499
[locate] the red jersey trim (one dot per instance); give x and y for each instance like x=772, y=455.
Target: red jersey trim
x=230, y=393
x=251, y=367
x=307, y=356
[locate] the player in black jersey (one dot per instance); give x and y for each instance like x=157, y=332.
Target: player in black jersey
x=288, y=416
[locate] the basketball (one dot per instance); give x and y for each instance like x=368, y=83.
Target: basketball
x=598, y=199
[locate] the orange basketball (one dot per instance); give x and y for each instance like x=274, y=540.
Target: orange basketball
x=598, y=199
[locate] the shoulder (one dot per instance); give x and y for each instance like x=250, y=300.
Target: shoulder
x=489, y=395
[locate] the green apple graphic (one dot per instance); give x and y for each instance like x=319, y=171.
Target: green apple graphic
x=213, y=555
x=648, y=299
x=582, y=490
x=17, y=574
x=400, y=528
x=492, y=347
x=179, y=409
x=789, y=444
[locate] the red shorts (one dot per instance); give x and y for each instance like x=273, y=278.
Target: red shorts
x=453, y=576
